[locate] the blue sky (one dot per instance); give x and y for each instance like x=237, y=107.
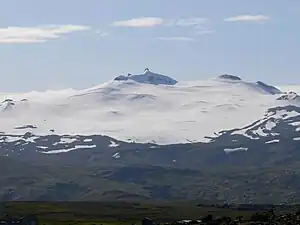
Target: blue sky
x=73, y=43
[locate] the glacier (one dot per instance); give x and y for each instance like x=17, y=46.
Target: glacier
x=137, y=108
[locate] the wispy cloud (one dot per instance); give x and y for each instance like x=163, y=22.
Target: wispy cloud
x=253, y=18
x=158, y=21
x=199, y=25
x=190, y=22
x=175, y=39
x=102, y=33
x=37, y=34
x=139, y=22
x=205, y=32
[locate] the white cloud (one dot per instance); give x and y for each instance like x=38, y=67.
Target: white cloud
x=140, y=22
x=37, y=34
x=188, y=22
x=253, y=18
x=176, y=38
x=157, y=21
x=205, y=32
x=102, y=33
x=200, y=25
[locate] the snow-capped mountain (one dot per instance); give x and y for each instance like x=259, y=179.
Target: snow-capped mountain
x=138, y=131
x=145, y=108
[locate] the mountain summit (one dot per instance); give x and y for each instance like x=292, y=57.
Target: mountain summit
x=229, y=77
x=148, y=77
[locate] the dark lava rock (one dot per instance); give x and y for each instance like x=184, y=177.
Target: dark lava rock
x=229, y=77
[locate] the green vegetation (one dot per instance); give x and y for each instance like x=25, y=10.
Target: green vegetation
x=258, y=185
x=116, y=212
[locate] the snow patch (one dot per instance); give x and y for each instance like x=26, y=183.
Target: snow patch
x=116, y=155
x=42, y=147
x=243, y=133
x=70, y=149
x=113, y=144
x=65, y=140
x=17, y=139
x=286, y=114
x=272, y=141
x=229, y=150
x=260, y=132
x=295, y=124
x=270, y=125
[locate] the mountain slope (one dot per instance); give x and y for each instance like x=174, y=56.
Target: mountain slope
x=213, y=184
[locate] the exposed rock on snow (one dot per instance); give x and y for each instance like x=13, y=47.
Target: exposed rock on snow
x=258, y=85
x=268, y=88
x=289, y=96
x=229, y=77
x=148, y=77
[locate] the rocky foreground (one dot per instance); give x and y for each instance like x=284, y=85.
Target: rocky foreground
x=266, y=218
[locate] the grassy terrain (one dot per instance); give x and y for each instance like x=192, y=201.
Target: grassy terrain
x=239, y=185
x=23, y=181
x=115, y=212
